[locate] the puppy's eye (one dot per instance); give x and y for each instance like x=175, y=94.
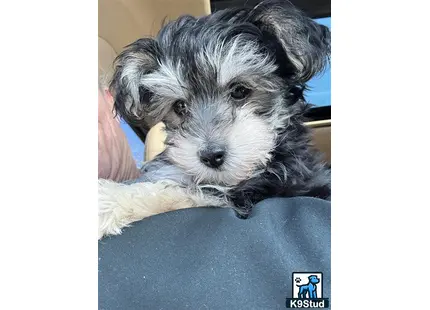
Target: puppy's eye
x=145, y=95
x=180, y=107
x=239, y=91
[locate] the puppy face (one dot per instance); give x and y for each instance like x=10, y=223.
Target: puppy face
x=223, y=86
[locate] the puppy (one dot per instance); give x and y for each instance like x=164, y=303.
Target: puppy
x=229, y=89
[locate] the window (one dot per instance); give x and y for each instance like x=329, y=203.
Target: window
x=136, y=144
x=319, y=93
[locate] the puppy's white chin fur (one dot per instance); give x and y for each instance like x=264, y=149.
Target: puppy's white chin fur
x=120, y=204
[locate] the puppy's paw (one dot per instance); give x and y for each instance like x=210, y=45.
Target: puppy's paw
x=108, y=223
x=109, y=219
x=106, y=232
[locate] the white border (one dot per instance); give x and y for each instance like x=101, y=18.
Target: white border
x=380, y=153
x=49, y=155
x=380, y=75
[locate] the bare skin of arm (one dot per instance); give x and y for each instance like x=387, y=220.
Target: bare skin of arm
x=116, y=162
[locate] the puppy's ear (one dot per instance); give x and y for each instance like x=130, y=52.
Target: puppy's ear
x=303, y=43
x=131, y=98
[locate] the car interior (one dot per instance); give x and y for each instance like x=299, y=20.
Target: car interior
x=121, y=22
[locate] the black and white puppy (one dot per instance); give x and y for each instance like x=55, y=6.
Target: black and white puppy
x=229, y=89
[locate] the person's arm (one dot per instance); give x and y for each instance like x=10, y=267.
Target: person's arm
x=115, y=159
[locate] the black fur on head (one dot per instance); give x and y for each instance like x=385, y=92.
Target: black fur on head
x=299, y=46
x=231, y=82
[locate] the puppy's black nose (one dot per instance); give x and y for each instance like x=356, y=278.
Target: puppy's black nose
x=213, y=158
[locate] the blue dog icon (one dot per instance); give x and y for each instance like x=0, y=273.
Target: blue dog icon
x=309, y=290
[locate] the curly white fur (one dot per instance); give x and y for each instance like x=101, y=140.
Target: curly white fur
x=121, y=204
